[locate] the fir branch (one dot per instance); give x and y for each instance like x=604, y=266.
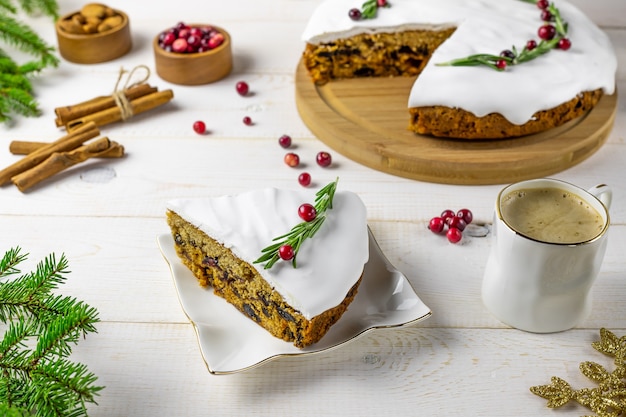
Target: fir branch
x=49, y=8
x=8, y=263
x=22, y=37
x=40, y=381
x=7, y=6
x=301, y=231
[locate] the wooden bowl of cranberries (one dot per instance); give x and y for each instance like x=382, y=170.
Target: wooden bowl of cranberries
x=193, y=54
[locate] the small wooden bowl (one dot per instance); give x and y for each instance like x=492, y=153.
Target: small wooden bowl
x=96, y=47
x=194, y=68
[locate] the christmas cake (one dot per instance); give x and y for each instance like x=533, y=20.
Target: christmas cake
x=221, y=240
x=423, y=37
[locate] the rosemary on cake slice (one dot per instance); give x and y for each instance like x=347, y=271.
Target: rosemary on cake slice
x=288, y=245
x=368, y=9
x=553, y=35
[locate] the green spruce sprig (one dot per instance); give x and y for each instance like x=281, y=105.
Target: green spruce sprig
x=301, y=231
x=16, y=93
x=517, y=56
x=36, y=378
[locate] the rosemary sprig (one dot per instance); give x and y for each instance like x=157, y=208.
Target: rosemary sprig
x=301, y=231
x=516, y=56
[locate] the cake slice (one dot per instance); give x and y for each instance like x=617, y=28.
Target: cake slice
x=219, y=239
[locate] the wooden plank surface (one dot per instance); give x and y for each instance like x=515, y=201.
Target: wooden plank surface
x=105, y=217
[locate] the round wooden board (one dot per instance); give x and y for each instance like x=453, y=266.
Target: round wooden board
x=366, y=120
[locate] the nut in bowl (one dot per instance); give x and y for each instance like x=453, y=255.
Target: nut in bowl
x=193, y=54
x=96, y=33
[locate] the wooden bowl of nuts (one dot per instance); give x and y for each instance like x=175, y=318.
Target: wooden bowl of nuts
x=96, y=33
x=193, y=54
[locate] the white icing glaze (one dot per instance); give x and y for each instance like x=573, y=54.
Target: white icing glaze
x=485, y=26
x=328, y=265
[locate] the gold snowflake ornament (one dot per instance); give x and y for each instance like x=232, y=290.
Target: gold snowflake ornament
x=609, y=398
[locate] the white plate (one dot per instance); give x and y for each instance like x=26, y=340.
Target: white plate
x=231, y=342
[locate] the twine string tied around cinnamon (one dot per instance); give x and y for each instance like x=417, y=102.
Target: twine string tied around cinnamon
x=121, y=101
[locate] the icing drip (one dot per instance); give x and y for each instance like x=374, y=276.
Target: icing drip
x=484, y=26
x=329, y=264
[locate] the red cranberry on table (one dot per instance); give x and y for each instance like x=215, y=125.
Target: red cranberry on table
x=304, y=179
x=446, y=215
x=436, y=225
x=501, y=64
x=292, y=159
x=199, y=127
x=465, y=214
x=242, y=88
x=247, y=121
x=323, y=159
x=531, y=44
x=284, y=141
x=454, y=235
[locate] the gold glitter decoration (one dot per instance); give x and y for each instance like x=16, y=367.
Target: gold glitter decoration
x=609, y=398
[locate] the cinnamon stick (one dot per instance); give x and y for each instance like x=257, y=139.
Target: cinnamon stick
x=114, y=114
x=97, y=104
x=74, y=138
x=58, y=161
x=22, y=147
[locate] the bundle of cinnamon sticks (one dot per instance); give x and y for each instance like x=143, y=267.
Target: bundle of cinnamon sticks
x=119, y=106
x=43, y=160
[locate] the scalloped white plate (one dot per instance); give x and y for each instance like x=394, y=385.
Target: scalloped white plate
x=230, y=342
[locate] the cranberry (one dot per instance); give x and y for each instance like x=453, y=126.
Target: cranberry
x=242, y=88
x=381, y=3
x=292, y=159
x=501, y=64
x=284, y=141
x=286, y=252
x=355, y=14
x=197, y=32
x=179, y=45
x=216, y=40
x=247, y=121
x=466, y=215
x=323, y=159
x=184, y=32
x=168, y=38
x=199, y=127
x=307, y=212
x=458, y=223
x=193, y=41
x=454, y=235
x=507, y=53
x=446, y=215
x=546, y=16
x=543, y=4
x=564, y=44
x=304, y=179
x=436, y=225
x=546, y=32
x=531, y=44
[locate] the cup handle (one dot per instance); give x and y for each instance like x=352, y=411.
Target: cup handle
x=603, y=193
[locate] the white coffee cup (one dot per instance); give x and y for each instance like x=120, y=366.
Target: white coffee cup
x=535, y=284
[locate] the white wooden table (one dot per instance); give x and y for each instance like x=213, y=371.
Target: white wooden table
x=105, y=217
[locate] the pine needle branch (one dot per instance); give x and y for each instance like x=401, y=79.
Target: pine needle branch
x=36, y=377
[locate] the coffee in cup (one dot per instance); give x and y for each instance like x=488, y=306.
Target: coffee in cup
x=549, y=239
x=551, y=214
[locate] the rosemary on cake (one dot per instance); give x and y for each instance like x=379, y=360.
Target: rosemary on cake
x=368, y=9
x=553, y=35
x=288, y=245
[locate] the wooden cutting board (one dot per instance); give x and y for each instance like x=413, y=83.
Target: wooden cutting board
x=366, y=120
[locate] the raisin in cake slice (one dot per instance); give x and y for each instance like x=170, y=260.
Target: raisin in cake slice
x=219, y=239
